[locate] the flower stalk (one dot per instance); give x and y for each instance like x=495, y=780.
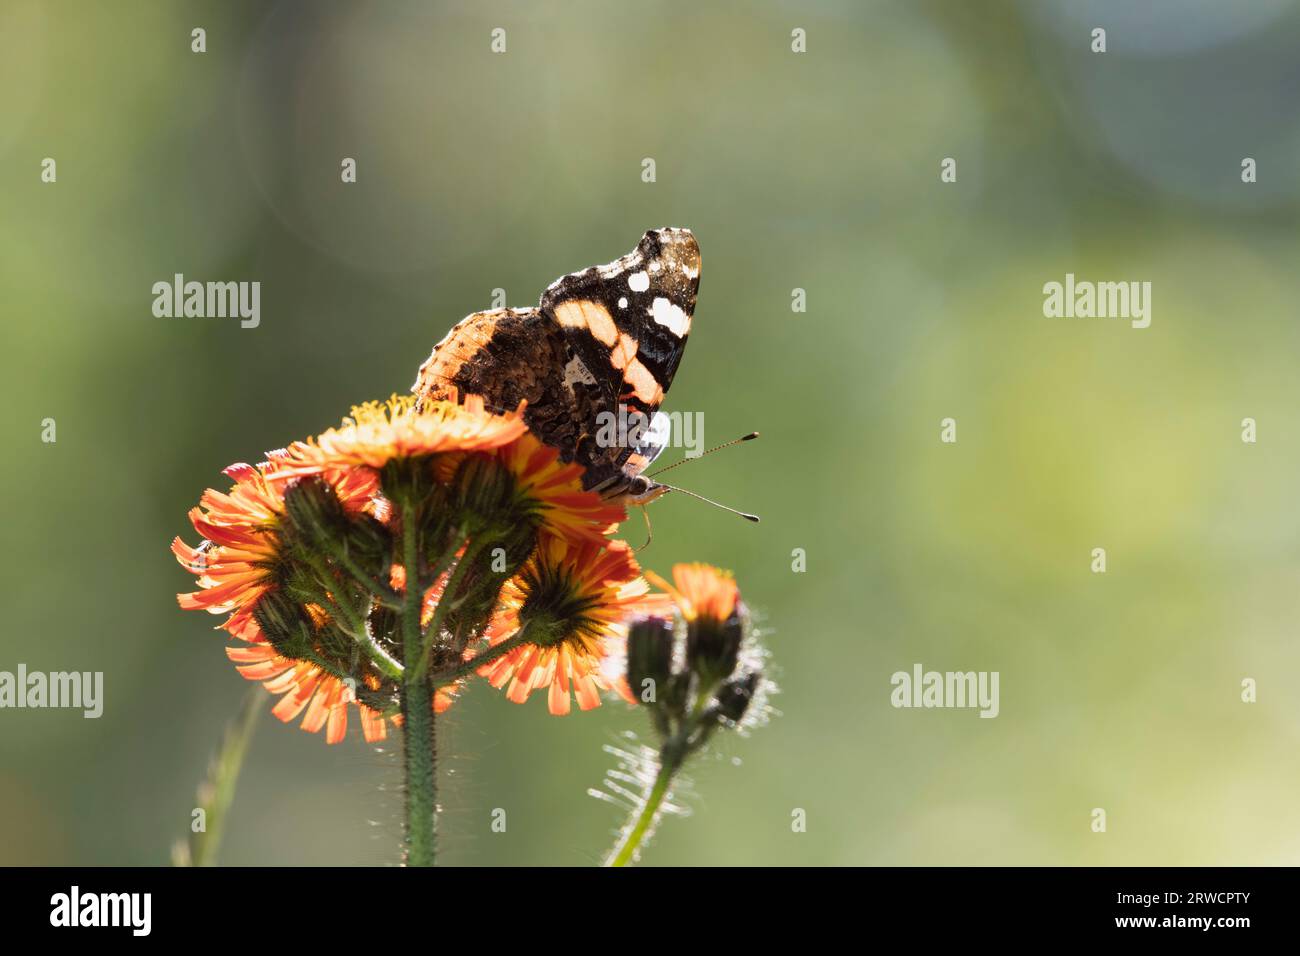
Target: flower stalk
x=696, y=673
x=628, y=845
x=418, y=728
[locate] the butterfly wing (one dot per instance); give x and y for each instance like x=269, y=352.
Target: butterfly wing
x=508, y=356
x=603, y=347
x=627, y=323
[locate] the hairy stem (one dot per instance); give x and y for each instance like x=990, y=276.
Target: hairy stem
x=633, y=835
x=417, y=714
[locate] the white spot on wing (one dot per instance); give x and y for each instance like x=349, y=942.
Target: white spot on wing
x=638, y=282
x=622, y=302
x=671, y=316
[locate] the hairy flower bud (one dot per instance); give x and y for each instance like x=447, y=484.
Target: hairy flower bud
x=735, y=696
x=315, y=514
x=369, y=542
x=713, y=646
x=282, y=620
x=484, y=490
x=649, y=658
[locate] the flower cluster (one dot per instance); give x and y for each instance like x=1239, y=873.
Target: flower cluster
x=382, y=564
x=697, y=669
x=700, y=669
x=310, y=556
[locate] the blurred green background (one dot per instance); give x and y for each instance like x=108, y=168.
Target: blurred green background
x=818, y=171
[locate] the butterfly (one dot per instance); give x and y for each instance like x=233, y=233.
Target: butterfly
x=602, y=342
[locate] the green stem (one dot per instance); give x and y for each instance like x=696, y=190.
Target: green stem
x=381, y=591
x=356, y=625
x=632, y=837
x=447, y=602
x=417, y=714
x=452, y=674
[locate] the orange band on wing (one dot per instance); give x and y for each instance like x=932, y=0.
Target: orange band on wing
x=584, y=314
x=643, y=383
x=624, y=352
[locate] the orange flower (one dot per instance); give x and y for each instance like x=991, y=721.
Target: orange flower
x=578, y=596
x=556, y=487
x=235, y=563
x=239, y=561
x=702, y=591
x=376, y=433
x=323, y=696
x=235, y=566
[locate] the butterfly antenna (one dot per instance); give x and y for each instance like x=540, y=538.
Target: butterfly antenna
x=744, y=514
x=727, y=444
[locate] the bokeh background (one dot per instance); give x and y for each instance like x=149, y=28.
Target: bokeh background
x=817, y=170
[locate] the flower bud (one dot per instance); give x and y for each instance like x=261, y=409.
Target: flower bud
x=281, y=619
x=649, y=658
x=369, y=543
x=735, y=696
x=713, y=646
x=484, y=489
x=383, y=624
x=315, y=513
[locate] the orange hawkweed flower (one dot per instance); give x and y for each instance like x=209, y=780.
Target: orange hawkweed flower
x=376, y=433
x=575, y=598
x=324, y=697
x=236, y=566
x=235, y=563
x=702, y=591
x=556, y=488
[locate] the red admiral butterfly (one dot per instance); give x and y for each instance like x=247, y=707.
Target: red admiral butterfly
x=603, y=342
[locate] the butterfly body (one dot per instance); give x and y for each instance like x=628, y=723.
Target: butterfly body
x=602, y=345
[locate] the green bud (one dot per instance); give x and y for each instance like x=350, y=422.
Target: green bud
x=650, y=658
x=484, y=489
x=315, y=513
x=735, y=696
x=369, y=544
x=713, y=647
x=282, y=620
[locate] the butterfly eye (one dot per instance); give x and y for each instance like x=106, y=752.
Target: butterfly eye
x=640, y=485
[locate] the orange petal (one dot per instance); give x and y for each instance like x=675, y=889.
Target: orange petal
x=558, y=700
x=373, y=725
x=587, y=692
x=337, y=728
